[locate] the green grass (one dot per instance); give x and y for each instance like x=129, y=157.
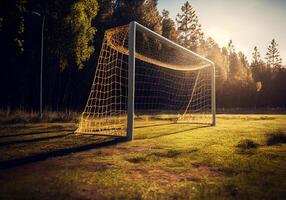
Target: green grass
x=243, y=157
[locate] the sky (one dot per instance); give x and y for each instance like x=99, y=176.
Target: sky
x=248, y=23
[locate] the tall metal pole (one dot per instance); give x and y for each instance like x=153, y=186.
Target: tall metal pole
x=213, y=96
x=42, y=57
x=131, y=79
x=41, y=71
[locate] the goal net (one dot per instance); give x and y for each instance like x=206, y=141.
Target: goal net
x=144, y=80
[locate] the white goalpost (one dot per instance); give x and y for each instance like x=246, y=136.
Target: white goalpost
x=142, y=80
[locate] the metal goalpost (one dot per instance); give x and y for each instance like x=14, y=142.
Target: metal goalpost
x=132, y=28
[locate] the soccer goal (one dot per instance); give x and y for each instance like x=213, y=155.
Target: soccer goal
x=143, y=79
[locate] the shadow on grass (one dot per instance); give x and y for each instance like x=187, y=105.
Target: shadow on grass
x=61, y=152
x=34, y=133
x=246, y=146
x=176, y=131
x=154, y=125
x=35, y=139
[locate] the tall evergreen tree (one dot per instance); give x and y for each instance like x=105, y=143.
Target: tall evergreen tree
x=256, y=58
x=245, y=71
x=210, y=43
x=257, y=65
x=232, y=60
x=168, y=26
x=242, y=57
x=273, y=56
x=230, y=47
x=262, y=77
x=276, y=74
x=238, y=64
x=189, y=30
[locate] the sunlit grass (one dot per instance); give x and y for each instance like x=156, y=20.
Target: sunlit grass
x=229, y=161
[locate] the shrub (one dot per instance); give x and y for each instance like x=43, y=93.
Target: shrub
x=279, y=137
x=136, y=159
x=247, y=144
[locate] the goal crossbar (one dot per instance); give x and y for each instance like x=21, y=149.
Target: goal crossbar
x=170, y=42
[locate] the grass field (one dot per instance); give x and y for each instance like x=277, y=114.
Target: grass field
x=243, y=157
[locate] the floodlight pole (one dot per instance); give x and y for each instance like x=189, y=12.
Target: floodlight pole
x=213, y=96
x=42, y=57
x=131, y=79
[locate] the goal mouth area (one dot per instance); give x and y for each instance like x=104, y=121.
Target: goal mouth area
x=110, y=126
x=144, y=81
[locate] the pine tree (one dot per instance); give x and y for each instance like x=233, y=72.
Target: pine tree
x=246, y=71
x=258, y=68
x=242, y=57
x=230, y=47
x=168, y=26
x=189, y=30
x=237, y=63
x=256, y=58
x=210, y=43
x=273, y=56
x=232, y=60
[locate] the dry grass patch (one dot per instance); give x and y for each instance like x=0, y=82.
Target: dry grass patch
x=120, y=149
x=22, y=116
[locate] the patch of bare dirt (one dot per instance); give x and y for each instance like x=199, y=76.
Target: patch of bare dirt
x=221, y=171
x=88, y=191
x=82, y=163
x=157, y=175
x=129, y=149
x=52, y=166
x=168, y=177
x=43, y=169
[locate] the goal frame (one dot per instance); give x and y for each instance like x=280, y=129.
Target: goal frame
x=132, y=28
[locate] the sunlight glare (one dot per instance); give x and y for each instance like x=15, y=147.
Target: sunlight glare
x=220, y=35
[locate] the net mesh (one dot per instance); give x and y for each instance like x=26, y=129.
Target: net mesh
x=171, y=86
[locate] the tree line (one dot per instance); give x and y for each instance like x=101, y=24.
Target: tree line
x=73, y=34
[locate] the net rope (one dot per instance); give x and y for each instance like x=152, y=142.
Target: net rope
x=171, y=86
